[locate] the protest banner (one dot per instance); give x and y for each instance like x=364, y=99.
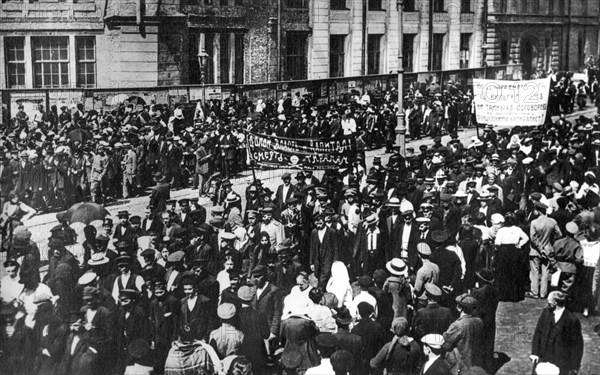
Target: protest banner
x=277, y=152
x=511, y=103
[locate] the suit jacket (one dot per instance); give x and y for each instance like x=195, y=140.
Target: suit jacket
x=255, y=327
x=202, y=315
x=280, y=199
x=393, y=234
x=432, y=318
x=465, y=335
x=374, y=259
x=438, y=367
x=270, y=305
x=159, y=197
x=560, y=343
x=451, y=222
x=322, y=253
x=413, y=240
x=155, y=226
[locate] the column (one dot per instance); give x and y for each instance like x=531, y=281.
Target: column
x=217, y=57
x=72, y=62
x=28, y=64
x=231, y=58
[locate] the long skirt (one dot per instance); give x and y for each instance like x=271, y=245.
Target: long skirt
x=508, y=273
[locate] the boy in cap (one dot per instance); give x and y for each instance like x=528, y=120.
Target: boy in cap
x=226, y=339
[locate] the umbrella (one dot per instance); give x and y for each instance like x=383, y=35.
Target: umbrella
x=118, y=99
x=79, y=135
x=86, y=212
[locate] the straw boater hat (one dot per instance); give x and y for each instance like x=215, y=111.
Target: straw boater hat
x=397, y=267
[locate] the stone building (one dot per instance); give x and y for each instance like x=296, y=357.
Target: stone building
x=542, y=34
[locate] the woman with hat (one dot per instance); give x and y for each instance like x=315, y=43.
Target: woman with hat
x=510, y=260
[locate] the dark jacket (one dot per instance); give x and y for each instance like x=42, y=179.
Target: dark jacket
x=270, y=305
x=438, y=367
x=431, y=319
x=560, y=343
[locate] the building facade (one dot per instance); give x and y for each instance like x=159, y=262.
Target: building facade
x=542, y=34
x=145, y=43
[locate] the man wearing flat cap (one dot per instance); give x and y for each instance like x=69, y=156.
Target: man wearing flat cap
x=568, y=258
x=432, y=318
x=255, y=327
x=267, y=299
x=462, y=340
x=432, y=348
x=284, y=191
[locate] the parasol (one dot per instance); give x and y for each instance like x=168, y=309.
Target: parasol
x=86, y=212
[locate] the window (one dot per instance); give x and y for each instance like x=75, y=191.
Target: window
x=373, y=54
x=438, y=6
x=375, y=5
x=15, y=61
x=504, y=53
x=224, y=57
x=437, y=51
x=297, y=3
x=209, y=44
x=409, y=6
x=524, y=6
x=465, y=44
x=337, y=4
x=535, y=6
x=295, y=62
x=465, y=6
x=239, y=58
x=336, y=55
x=50, y=61
x=86, y=61
x=408, y=51
x=581, y=46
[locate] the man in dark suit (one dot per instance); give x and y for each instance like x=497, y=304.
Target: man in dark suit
x=255, y=327
x=484, y=208
x=432, y=348
x=284, y=191
x=450, y=216
x=450, y=275
x=267, y=299
x=370, y=247
x=323, y=247
x=160, y=194
x=123, y=229
x=408, y=239
x=196, y=309
x=432, y=318
x=371, y=333
x=557, y=338
x=392, y=228
x=184, y=218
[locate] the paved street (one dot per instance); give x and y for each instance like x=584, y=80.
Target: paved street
x=516, y=321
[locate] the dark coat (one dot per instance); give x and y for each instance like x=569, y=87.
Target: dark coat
x=559, y=343
x=438, y=367
x=369, y=261
x=431, y=319
x=413, y=254
x=373, y=337
x=270, y=305
x=255, y=327
x=159, y=196
x=322, y=253
x=299, y=333
x=203, y=315
x=487, y=304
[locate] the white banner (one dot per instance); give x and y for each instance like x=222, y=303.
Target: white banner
x=511, y=103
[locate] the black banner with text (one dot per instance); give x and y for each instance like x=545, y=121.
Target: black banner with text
x=322, y=153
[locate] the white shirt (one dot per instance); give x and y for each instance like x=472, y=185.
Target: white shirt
x=191, y=302
x=171, y=281
x=429, y=362
x=321, y=233
x=511, y=236
x=90, y=314
x=558, y=311
x=74, y=344
x=325, y=368
x=372, y=239
x=260, y=291
x=10, y=288
x=406, y=235
x=139, y=283
x=284, y=190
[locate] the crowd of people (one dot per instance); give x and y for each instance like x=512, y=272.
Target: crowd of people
x=395, y=268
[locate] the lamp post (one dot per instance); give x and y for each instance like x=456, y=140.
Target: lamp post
x=202, y=56
x=400, y=126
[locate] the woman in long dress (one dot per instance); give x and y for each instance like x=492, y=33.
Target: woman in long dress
x=510, y=240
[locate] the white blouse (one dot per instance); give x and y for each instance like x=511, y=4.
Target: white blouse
x=511, y=236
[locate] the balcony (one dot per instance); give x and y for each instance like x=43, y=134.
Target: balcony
x=440, y=18
x=410, y=17
x=467, y=18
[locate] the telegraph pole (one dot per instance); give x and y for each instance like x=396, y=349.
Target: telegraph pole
x=400, y=126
